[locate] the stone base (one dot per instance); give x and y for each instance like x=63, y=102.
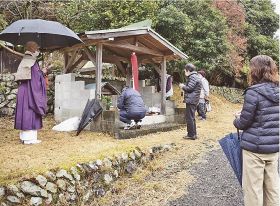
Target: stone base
x=148, y=129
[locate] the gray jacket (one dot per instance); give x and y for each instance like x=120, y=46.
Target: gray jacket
x=205, y=87
x=192, y=89
x=131, y=101
x=259, y=119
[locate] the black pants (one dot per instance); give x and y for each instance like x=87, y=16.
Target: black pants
x=201, y=110
x=190, y=119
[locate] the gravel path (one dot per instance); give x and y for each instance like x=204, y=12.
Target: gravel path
x=215, y=185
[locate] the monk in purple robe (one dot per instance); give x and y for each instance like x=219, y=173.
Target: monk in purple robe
x=31, y=102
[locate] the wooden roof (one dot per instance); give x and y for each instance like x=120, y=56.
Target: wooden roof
x=118, y=44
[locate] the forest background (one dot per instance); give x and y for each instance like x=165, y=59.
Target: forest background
x=220, y=36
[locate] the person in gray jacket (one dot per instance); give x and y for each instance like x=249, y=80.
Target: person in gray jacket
x=204, y=95
x=259, y=120
x=132, y=108
x=192, y=90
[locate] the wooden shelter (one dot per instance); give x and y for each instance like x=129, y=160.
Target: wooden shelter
x=115, y=46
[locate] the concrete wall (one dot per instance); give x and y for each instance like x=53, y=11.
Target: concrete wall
x=70, y=97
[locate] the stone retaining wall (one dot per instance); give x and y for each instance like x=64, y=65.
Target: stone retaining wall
x=8, y=91
x=233, y=95
x=81, y=183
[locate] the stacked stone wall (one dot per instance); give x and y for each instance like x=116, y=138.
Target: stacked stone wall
x=80, y=184
x=233, y=95
x=8, y=92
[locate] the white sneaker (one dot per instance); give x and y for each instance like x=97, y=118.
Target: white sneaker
x=32, y=141
x=126, y=127
x=132, y=125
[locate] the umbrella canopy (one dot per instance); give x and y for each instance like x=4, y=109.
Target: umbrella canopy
x=92, y=110
x=231, y=147
x=47, y=34
x=134, y=65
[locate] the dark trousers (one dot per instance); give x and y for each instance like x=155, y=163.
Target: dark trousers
x=201, y=110
x=127, y=117
x=190, y=119
x=124, y=117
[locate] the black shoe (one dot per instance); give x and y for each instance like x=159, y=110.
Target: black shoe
x=190, y=137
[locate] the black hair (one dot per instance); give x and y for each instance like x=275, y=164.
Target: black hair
x=190, y=67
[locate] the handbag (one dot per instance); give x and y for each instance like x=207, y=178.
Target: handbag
x=208, y=106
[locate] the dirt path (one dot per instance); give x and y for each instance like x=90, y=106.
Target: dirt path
x=215, y=184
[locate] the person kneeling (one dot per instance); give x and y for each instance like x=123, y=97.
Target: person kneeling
x=132, y=108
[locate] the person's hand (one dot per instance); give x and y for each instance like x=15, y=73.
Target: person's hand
x=181, y=85
x=237, y=114
x=45, y=70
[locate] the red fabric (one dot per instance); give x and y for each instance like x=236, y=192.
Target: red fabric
x=134, y=65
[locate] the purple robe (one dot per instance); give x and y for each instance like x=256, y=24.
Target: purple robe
x=31, y=101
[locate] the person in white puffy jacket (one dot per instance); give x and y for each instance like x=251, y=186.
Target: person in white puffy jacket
x=204, y=95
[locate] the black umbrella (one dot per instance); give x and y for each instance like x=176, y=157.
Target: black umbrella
x=92, y=110
x=231, y=147
x=48, y=34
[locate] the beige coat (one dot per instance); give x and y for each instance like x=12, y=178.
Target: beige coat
x=24, y=68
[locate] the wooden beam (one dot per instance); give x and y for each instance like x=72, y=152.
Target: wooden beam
x=81, y=58
x=163, y=86
x=90, y=55
x=144, y=40
x=121, y=68
x=98, y=77
x=11, y=50
x=157, y=68
x=108, y=59
x=66, y=58
x=70, y=61
x=88, y=42
x=114, y=58
x=134, y=48
x=115, y=53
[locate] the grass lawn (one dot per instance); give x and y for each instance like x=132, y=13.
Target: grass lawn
x=64, y=149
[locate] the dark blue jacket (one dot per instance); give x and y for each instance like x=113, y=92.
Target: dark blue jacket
x=259, y=119
x=192, y=89
x=131, y=101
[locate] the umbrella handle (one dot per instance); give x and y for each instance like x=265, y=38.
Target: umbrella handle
x=238, y=134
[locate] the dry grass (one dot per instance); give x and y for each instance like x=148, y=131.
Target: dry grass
x=63, y=149
x=166, y=178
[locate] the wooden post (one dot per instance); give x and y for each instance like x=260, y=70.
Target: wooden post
x=163, y=86
x=98, y=71
x=66, y=58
